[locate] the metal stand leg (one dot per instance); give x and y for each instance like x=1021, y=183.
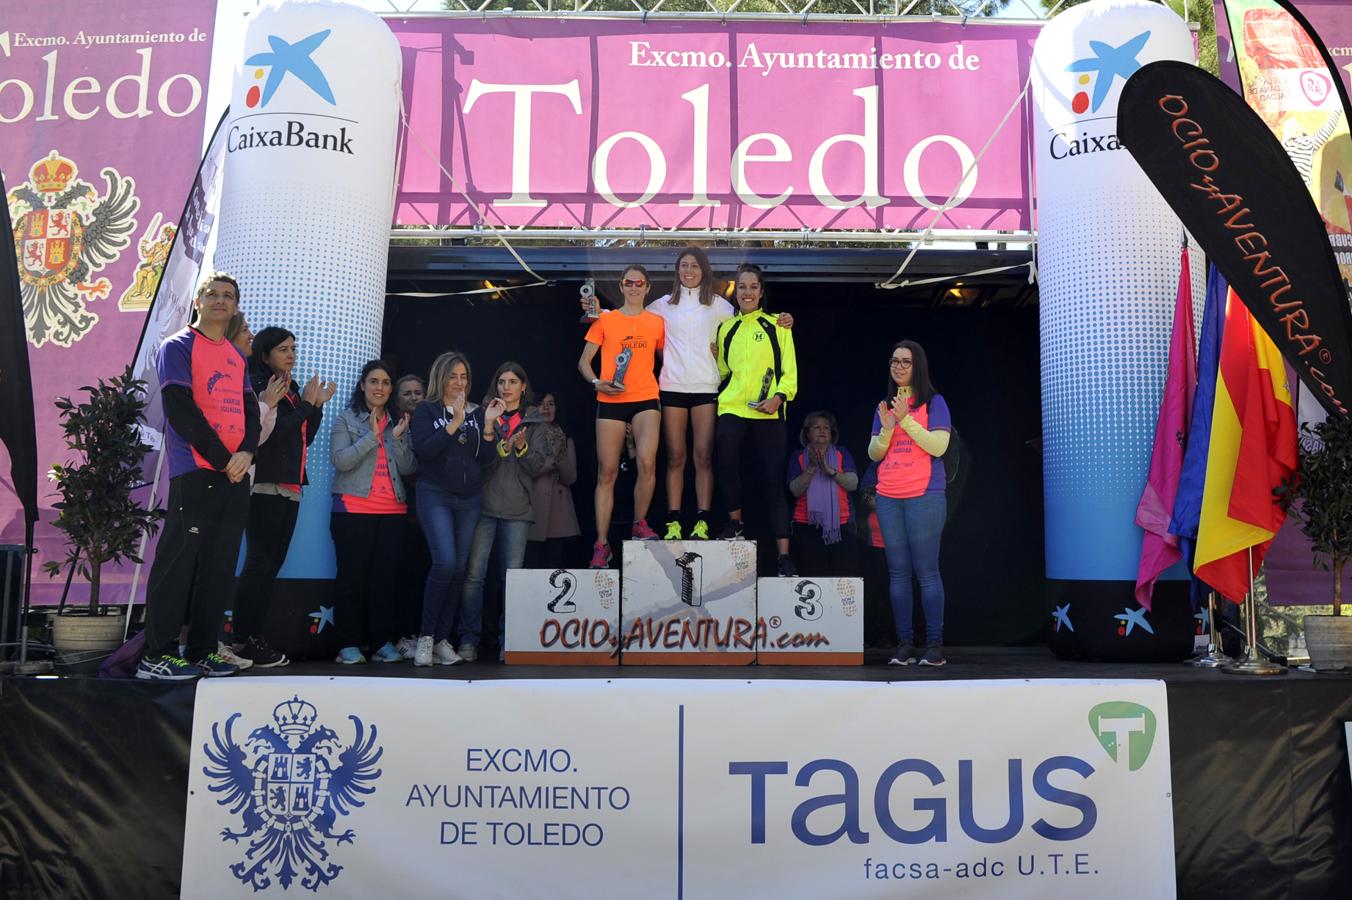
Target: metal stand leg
x=1214, y=658
x=1253, y=662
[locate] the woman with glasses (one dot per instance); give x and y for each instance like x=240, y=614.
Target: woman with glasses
x=911, y=431
x=628, y=340
x=757, y=362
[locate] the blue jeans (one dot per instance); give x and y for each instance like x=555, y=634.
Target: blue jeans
x=448, y=522
x=511, y=539
x=911, y=531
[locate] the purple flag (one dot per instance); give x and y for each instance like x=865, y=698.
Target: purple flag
x=1159, y=548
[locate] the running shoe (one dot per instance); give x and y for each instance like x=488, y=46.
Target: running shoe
x=227, y=653
x=213, y=665
x=350, y=656
x=701, y=530
x=904, y=654
x=642, y=531
x=600, y=556
x=673, y=531
x=387, y=654
x=167, y=668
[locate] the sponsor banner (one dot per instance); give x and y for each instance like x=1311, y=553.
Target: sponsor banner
x=810, y=621
x=95, y=101
x=306, y=207
x=689, y=603
x=1107, y=276
x=1242, y=198
x=591, y=788
x=700, y=124
x=563, y=617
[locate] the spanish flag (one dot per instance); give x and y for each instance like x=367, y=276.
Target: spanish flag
x=1252, y=450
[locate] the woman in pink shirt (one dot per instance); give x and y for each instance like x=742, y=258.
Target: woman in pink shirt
x=371, y=453
x=911, y=431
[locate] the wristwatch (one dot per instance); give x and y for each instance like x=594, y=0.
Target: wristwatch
x=595, y=382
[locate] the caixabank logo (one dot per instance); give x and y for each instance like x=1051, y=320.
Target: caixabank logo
x=287, y=62
x=1095, y=76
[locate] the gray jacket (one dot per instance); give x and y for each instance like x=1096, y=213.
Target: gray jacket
x=353, y=445
x=509, y=481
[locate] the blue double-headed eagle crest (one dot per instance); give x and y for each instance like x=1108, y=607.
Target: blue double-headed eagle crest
x=290, y=782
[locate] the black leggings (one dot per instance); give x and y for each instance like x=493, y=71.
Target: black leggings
x=272, y=521
x=770, y=438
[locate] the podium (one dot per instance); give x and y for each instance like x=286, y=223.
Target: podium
x=562, y=617
x=688, y=603
x=811, y=621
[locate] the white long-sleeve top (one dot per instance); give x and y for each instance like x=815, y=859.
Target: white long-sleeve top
x=688, y=367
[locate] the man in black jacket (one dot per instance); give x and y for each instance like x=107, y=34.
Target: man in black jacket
x=210, y=441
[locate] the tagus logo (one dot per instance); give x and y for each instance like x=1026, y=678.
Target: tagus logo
x=1125, y=730
x=284, y=62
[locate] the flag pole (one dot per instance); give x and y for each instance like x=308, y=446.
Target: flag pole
x=1253, y=662
x=1214, y=657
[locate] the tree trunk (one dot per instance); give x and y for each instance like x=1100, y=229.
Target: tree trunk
x=95, y=570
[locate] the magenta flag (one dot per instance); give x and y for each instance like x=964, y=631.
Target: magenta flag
x=1159, y=548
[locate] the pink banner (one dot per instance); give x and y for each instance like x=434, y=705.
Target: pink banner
x=101, y=116
x=586, y=124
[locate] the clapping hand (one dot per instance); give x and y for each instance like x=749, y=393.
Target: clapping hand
x=275, y=391
x=518, y=441
x=401, y=426
x=886, y=416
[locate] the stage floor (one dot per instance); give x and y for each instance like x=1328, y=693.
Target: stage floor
x=964, y=663
x=94, y=772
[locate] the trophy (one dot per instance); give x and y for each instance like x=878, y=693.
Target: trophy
x=621, y=366
x=766, y=382
x=588, y=292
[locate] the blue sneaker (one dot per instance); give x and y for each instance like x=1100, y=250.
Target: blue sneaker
x=167, y=668
x=213, y=665
x=387, y=653
x=350, y=656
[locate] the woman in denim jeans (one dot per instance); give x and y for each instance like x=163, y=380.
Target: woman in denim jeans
x=510, y=460
x=911, y=430
x=448, y=440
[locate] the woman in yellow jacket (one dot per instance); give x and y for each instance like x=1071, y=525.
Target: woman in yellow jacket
x=759, y=375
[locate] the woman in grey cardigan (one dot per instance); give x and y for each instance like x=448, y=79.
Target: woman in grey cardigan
x=509, y=470
x=371, y=452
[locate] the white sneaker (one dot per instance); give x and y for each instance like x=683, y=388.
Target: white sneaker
x=469, y=652
x=422, y=656
x=444, y=655
x=227, y=653
x=407, y=647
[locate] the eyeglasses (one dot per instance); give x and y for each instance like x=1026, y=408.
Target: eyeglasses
x=629, y=282
x=901, y=363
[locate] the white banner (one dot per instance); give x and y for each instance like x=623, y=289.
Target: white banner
x=356, y=787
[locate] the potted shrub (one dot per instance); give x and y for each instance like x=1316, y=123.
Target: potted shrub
x=1321, y=498
x=102, y=522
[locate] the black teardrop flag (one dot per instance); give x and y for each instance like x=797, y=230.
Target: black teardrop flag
x=1236, y=190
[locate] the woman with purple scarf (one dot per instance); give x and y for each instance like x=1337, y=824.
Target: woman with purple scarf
x=822, y=476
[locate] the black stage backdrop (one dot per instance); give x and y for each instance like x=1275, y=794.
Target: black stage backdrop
x=93, y=778
x=984, y=361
